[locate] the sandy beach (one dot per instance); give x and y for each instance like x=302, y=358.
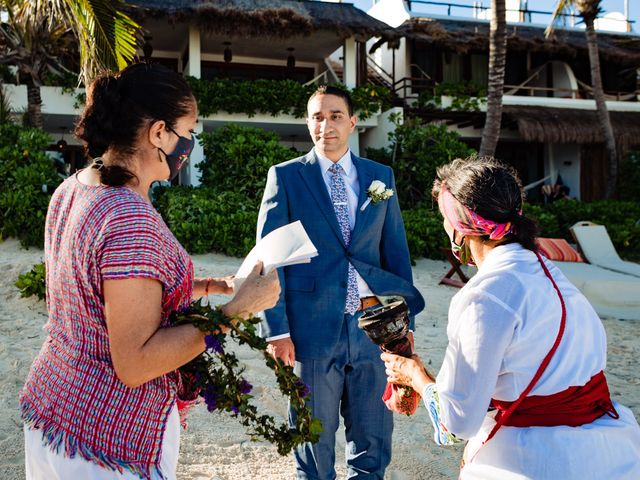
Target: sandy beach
x=214, y=446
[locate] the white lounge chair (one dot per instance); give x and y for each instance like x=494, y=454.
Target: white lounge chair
x=597, y=248
x=612, y=294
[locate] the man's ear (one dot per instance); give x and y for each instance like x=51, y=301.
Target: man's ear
x=353, y=120
x=156, y=133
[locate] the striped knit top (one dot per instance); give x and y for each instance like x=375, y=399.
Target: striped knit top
x=72, y=394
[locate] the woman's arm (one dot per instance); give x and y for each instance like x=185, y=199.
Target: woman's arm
x=212, y=286
x=141, y=350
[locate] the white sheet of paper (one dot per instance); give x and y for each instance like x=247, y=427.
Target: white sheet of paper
x=287, y=245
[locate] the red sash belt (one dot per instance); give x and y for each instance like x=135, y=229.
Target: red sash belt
x=573, y=400
x=573, y=407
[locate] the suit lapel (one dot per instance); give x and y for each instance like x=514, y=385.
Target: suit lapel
x=365, y=177
x=312, y=176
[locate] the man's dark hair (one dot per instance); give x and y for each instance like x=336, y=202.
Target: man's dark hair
x=331, y=90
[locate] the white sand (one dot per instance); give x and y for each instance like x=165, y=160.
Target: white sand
x=214, y=447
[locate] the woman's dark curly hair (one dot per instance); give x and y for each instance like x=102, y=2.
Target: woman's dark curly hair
x=493, y=190
x=119, y=106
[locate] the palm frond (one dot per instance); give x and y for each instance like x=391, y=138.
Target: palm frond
x=107, y=37
x=563, y=7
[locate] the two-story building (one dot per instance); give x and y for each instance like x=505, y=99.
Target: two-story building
x=549, y=125
x=239, y=41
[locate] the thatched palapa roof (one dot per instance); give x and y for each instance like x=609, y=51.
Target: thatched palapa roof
x=262, y=18
x=546, y=124
x=465, y=35
x=566, y=125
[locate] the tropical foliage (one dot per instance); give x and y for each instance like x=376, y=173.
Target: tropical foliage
x=28, y=177
x=417, y=151
x=237, y=159
x=276, y=97
x=38, y=38
x=465, y=96
x=33, y=282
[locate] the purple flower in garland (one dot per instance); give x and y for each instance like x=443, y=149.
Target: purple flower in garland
x=235, y=410
x=245, y=387
x=303, y=388
x=211, y=398
x=212, y=343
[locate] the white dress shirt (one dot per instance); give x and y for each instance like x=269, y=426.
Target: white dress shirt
x=353, y=192
x=501, y=326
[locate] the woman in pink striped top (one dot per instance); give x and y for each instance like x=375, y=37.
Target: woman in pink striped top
x=100, y=398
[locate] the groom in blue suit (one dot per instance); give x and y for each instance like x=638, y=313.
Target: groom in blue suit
x=363, y=254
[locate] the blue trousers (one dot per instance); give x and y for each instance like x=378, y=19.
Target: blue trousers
x=350, y=383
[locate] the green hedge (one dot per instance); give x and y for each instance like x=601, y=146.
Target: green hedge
x=237, y=159
x=425, y=233
x=417, y=151
x=276, y=97
x=204, y=220
x=27, y=179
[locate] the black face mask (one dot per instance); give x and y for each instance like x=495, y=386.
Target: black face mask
x=180, y=154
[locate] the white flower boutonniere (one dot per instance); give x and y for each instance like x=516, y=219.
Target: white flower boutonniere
x=377, y=192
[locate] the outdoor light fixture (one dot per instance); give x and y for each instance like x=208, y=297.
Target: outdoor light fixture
x=291, y=60
x=147, y=48
x=62, y=143
x=228, y=54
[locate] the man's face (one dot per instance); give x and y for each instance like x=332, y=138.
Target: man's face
x=330, y=125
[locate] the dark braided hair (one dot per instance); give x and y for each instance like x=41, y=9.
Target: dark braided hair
x=493, y=190
x=119, y=106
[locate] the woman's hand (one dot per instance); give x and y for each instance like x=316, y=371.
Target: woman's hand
x=406, y=371
x=258, y=292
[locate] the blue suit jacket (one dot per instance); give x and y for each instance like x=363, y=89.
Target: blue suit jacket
x=311, y=305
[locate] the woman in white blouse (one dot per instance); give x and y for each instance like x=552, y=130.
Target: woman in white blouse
x=522, y=379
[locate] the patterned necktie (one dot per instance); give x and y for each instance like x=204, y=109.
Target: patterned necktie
x=341, y=207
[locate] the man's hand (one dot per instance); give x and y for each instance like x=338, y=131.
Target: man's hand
x=284, y=350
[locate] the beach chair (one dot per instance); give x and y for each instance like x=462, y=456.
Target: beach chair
x=455, y=269
x=611, y=294
x=597, y=248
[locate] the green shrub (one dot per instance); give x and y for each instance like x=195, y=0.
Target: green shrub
x=629, y=177
x=276, y=97
x=466, y=96
x=33, y=282
x=620, y=219
x=419, y=150
x=205, y=220
x=237, y=159
x=27, y=179
x=425, y=233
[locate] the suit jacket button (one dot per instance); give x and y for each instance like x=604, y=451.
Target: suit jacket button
x=349, y=254
x=343, y=284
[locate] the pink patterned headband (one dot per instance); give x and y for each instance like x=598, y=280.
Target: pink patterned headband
x=466, y=221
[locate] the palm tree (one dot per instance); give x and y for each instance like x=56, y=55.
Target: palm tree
x=497, y=61
x=589, y=11
x=38, y=33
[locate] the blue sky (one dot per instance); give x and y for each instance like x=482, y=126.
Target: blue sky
x=542, y=5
